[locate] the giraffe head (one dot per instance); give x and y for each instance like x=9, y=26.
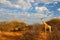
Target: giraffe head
x=42, y=20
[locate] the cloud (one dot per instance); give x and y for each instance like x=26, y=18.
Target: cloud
x=44, y=12
x=7, y=11
x=22, y=4
x=27, y=17
x=6, y=3
x=47, y=1
x=41, y=8
x=58, y=9
x=9, y=14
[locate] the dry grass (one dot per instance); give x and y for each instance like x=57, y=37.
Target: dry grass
x=10, y=35
x=30, y=32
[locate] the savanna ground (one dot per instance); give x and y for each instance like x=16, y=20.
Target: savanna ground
x=15, y=30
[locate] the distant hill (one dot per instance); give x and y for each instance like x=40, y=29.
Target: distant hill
x=55, y=23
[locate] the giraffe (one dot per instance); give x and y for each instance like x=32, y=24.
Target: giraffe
x=46, y=25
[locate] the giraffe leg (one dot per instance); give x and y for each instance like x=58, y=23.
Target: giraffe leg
x=45, y=29
x=50, y=29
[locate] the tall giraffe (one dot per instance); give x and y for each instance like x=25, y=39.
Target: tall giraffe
x=46, y=25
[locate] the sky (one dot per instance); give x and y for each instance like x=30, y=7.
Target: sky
x=30, y=11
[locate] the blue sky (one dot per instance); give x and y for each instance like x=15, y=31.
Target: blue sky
x=29, y=11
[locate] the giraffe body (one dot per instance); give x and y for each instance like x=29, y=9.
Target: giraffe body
x=46, y=25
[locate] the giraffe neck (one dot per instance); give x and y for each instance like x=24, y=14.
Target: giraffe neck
x=45, y=24
x=43, y=21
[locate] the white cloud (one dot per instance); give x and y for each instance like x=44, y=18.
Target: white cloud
x=6, y=3
x=6, y=14
x=41, y=8
x=23, y=4
x=44, y=12
x=58, y=9
x=6, y=11
x=16, y=6
x=55, y=2
x=47, y=1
